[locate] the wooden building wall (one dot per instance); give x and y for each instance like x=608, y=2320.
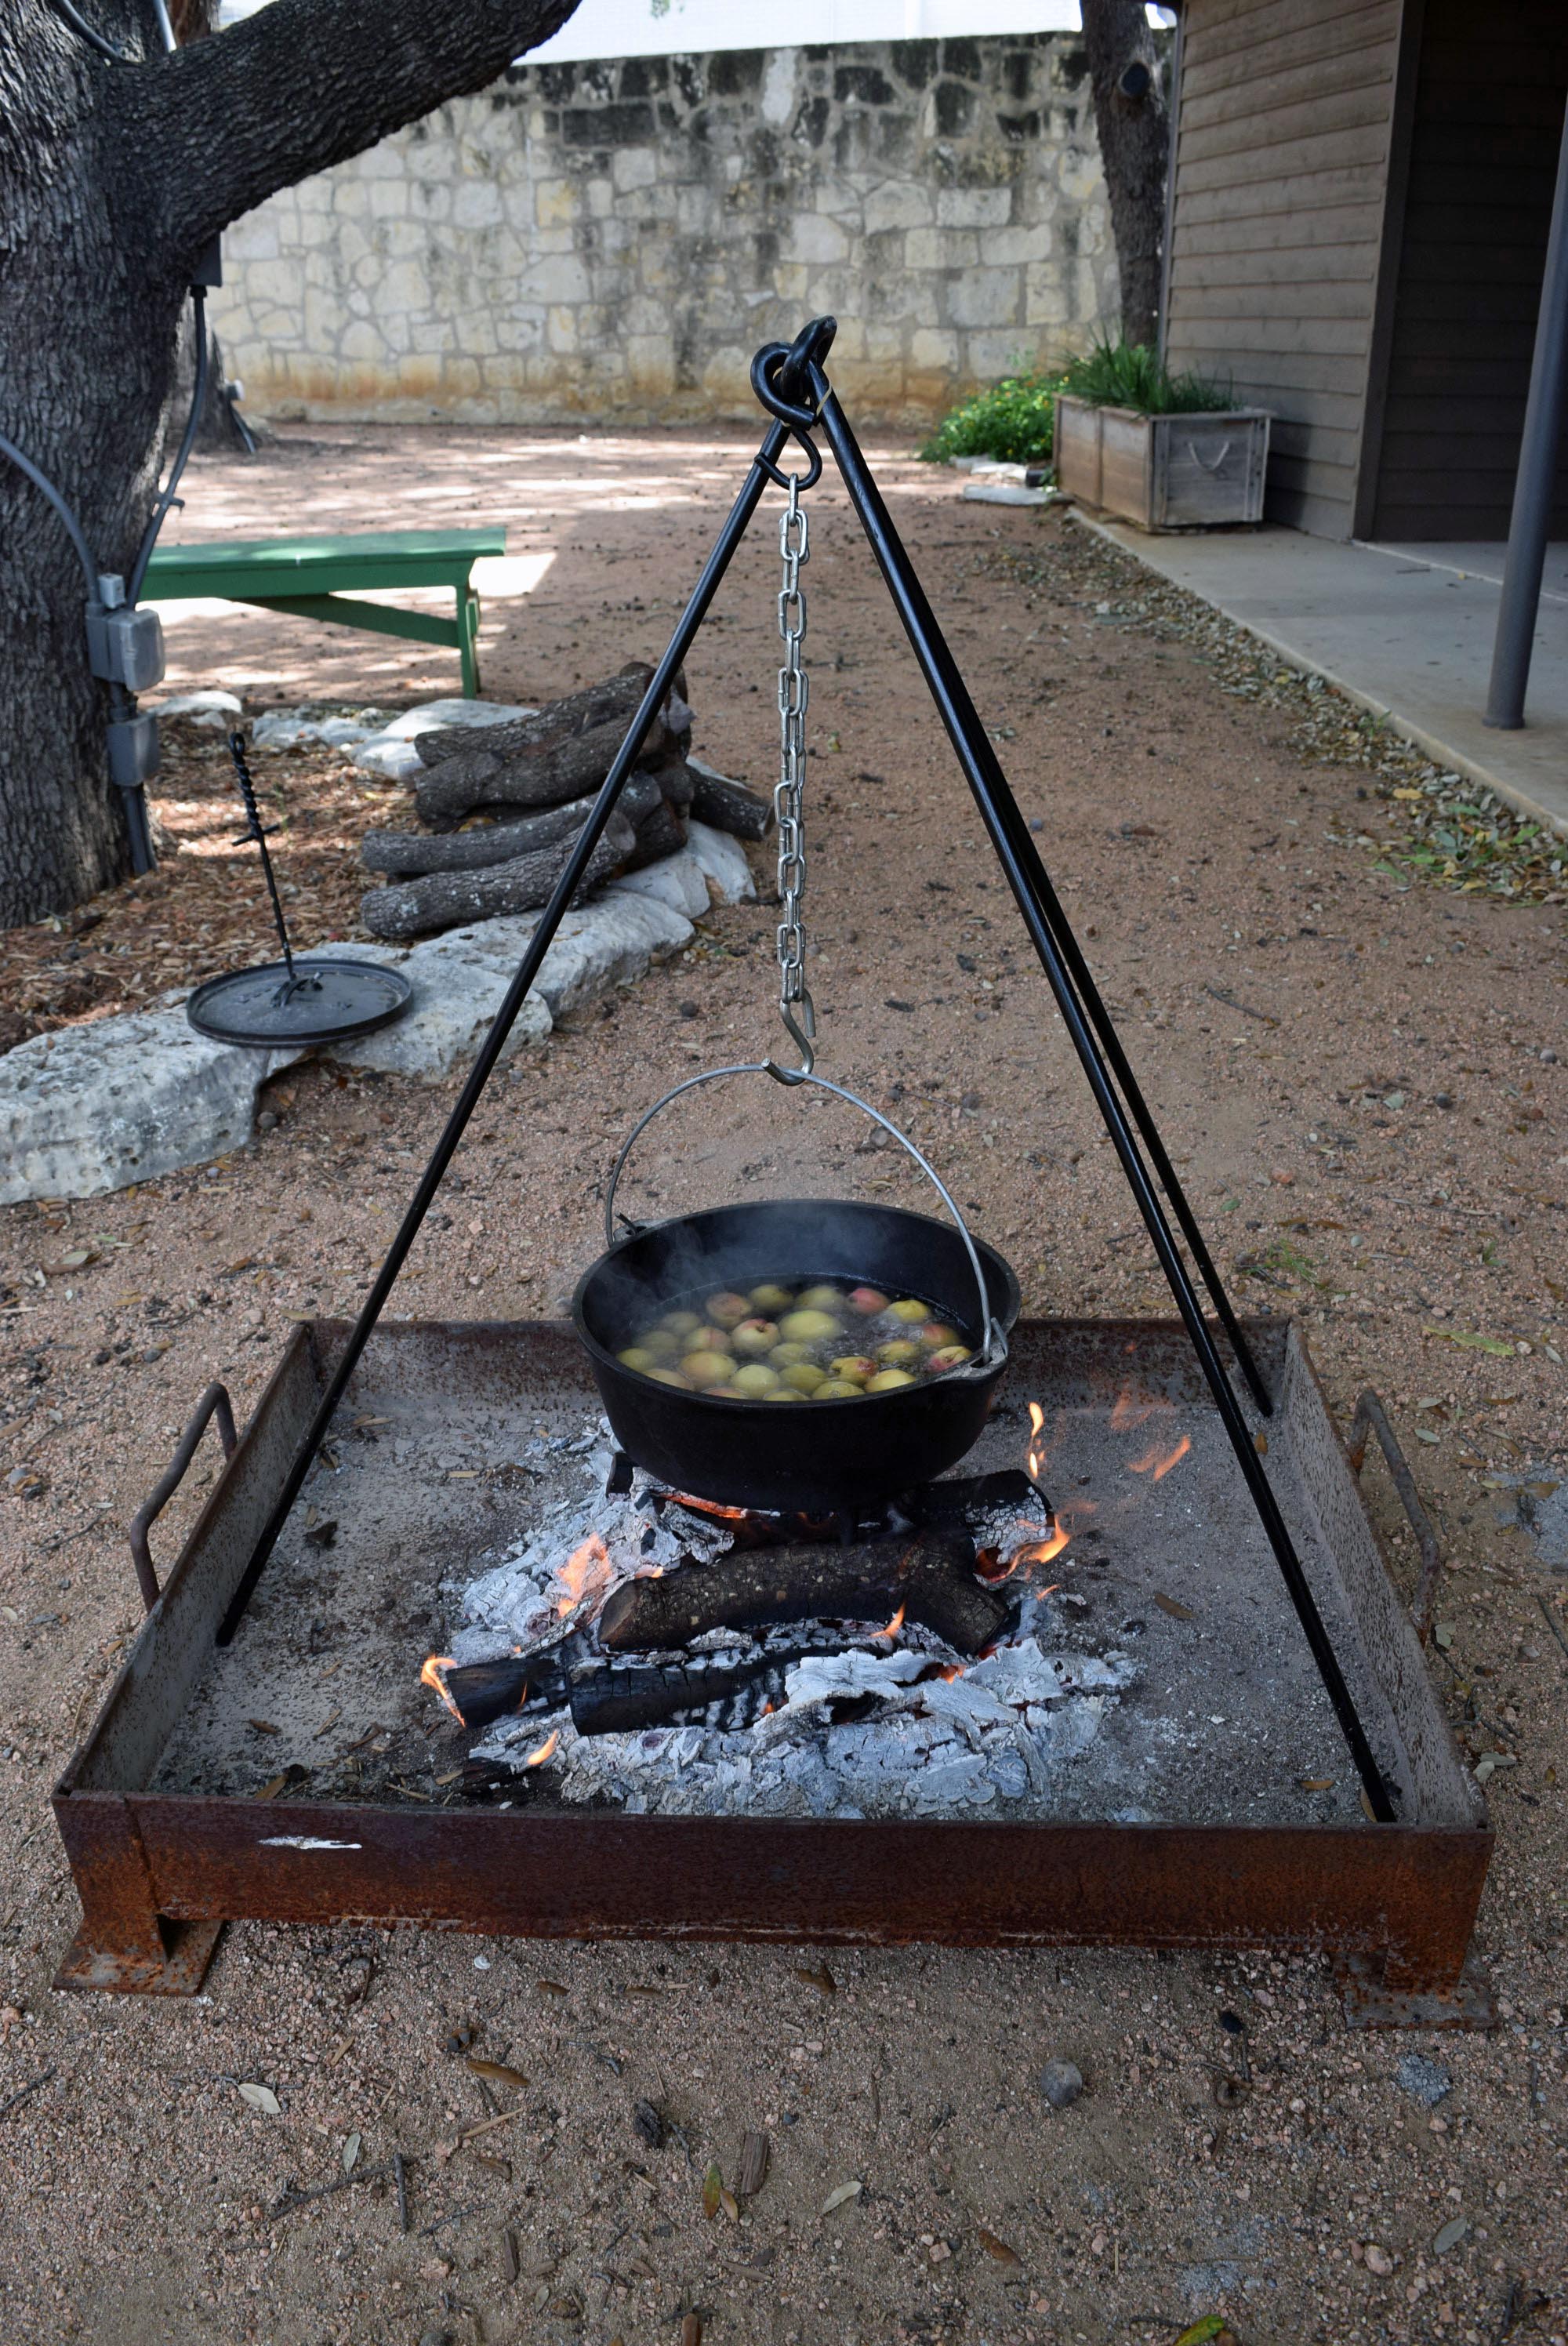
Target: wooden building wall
x=1486, y=105
x=1281, y=157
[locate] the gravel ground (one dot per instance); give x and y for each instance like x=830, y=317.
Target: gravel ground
x=1354, y=1062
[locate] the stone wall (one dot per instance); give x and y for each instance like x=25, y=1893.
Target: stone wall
x=615, y=240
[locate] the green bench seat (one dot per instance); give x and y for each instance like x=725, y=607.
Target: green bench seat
x=315, y=578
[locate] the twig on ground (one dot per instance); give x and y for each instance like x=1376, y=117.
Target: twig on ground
x=25, y=2093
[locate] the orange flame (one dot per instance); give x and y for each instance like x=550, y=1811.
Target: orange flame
x=1036, y=1452
x=1130, y=1408
x=433, y=1675
x=895, y=1626
x=1043, y=1551
x=1160, y=1464
x=584, y=1575
x=537, y=1759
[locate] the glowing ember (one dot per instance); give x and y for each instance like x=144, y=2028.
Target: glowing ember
x=895, y=1626
x=710, y=1508
x=586, y=1574
x=537, y=1759
x=433, y=1675
x=1159, y=1463
x=1036, y=1449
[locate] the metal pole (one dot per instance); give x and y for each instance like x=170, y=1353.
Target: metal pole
x=764, y=466
x=1536, y=477
x=1026, y=877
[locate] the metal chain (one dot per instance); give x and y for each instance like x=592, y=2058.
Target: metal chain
x=795, y=1004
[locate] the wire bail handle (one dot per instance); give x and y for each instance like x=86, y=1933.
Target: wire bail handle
x=993, y=1347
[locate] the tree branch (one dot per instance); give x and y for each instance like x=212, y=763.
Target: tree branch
x=219, y=126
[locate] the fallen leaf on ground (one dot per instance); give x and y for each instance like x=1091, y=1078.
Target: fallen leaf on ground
x=1471, y=1340
x=712, y=2192
x=500, y=2072
x=350, y=2154
x=821, y=1979
x=995, y=2247
x=837, y=2199
x=262, y=2097
x=1169, y=1604
x=1209, y=2326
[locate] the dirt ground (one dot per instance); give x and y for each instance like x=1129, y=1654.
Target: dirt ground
x=1358, y=1071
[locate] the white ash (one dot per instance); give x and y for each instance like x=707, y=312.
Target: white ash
x=1003, y=1735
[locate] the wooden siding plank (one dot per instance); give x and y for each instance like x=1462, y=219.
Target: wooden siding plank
x=1316, y=338
x=1289, y=194
x=1217, y=31
x=1330, y=265
x=1364, y=147
x=1296, y=230
x=1306, y=122
x=1359, y=27
x=1344, y=303
x=1267, y=95
x=1258, y=377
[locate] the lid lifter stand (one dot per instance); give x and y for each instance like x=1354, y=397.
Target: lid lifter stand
x=791, y=387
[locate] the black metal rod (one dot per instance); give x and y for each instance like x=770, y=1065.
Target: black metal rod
x=1531, y=521
x=757, y=480
x=259, y=833
x=1020, y=860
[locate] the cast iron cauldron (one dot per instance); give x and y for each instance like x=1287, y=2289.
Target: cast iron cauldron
x=827, y=1454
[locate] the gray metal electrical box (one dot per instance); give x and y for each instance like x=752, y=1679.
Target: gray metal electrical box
x=133, y=751
x=125, y=646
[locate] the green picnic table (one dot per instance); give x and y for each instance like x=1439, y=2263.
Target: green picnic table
x=308, y=577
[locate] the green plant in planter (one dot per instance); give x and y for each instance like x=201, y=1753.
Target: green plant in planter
x=1133, y=374
x=1012, y=421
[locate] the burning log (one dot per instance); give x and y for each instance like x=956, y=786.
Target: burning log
x=930, y=1574
x=618, y=1701
x=444, y=900
x=726, y=805
x=539, y=761
x=411, y=855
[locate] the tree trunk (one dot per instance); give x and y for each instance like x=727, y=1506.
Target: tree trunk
x=1131, y=116
x=113, y=176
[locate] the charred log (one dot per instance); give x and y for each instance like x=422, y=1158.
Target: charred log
x=445, y=900
x=728, y=806
x=563, y=750
x=411, y=855
x=661, y=834
x=930, y=1574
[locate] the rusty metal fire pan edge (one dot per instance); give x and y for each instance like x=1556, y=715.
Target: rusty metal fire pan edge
x=158, y=1873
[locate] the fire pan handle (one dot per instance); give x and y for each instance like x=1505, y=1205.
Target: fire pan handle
x=1373, y=1418
x=214, y=1404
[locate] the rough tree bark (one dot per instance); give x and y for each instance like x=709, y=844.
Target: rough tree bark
x=112, y=180
x=1130, y=114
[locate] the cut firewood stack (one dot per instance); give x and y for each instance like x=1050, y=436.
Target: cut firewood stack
x=503, y=805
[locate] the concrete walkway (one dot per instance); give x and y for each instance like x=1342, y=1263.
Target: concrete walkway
x=1406, y=631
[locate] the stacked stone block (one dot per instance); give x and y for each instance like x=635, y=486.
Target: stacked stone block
x=612, y=240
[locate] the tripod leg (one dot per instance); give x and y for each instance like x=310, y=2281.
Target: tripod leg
x=1043, y=918
x=763, y=469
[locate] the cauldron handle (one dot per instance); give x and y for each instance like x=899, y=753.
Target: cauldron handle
x=994, y=1349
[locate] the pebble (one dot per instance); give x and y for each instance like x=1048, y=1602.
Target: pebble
x=1424, y=2078
x=1062, y=2083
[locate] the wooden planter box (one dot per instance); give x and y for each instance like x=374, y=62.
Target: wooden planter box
x=1163, y=471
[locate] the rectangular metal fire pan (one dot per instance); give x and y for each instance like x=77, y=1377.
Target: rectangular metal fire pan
x=161, y=1860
